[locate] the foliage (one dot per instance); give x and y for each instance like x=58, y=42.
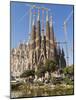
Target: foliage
x=15, y=86
x=68, y=70
x=68, y=81
x=41, y=71
x=61, y=71
x=50, y=65
x=57, y=80
x=38, y=83
x=28, y=73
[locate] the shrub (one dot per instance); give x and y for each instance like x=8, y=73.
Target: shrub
x=28, y=73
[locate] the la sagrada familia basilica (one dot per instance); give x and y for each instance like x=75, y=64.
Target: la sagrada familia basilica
x=41, y=46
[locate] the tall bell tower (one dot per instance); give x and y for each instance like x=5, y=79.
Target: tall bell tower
x=52, y=39
x=38, y=36
x=47, y=37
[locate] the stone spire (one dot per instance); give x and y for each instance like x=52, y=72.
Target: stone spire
x=47, y=17
x=63, y=60
x=42, y=26
x=43, y=48
x=38, y=18
x=38, y=37
x=33, y=33
x=47, y=36
x=47, y=27
x=52, y=40
x=51, y=30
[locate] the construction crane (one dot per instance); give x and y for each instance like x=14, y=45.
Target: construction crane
x=61, y=42
x=65, y=35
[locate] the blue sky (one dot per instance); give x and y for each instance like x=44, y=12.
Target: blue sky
x=20, y=23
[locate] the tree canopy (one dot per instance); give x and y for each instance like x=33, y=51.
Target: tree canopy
x=69, y=70
x=28, y=73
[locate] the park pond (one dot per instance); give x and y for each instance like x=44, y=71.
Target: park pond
x=37, y=90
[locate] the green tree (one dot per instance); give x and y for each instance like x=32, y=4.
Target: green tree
x=28, y=73
x=41, y=69
x=50, y=65
x=69, y=70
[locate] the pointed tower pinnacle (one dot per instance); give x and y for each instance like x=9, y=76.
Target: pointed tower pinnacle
x=51, y=30
x=63, y=52
x=53, y=45
x=51, y=22
x=38, y=37
x=47, y=30
x=33, y=33
x=47, y=17
x=63, y=60
x=33, y=23
x=38, y=15
x=43, y=24
x=47, y=27
x=47, y=36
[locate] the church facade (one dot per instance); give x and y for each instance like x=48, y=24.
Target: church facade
x=41, y=46
x=41, y=43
